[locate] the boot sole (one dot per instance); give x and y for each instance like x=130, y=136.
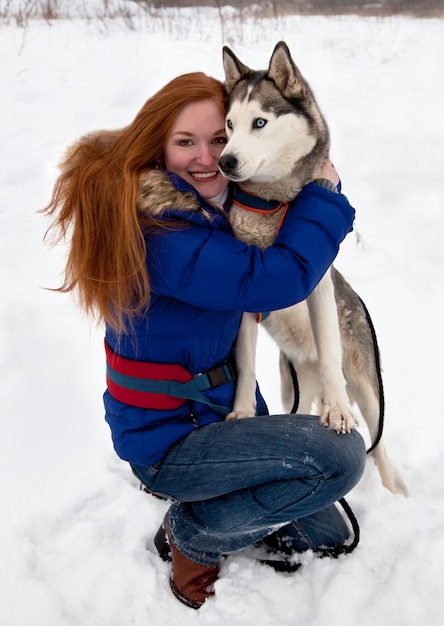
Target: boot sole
x=192, y=604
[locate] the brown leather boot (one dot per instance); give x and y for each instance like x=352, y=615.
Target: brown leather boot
x=190, y=582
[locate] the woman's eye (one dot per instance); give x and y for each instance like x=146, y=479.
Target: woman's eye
x=220, y=140
x=185, y=142
x=259, y=122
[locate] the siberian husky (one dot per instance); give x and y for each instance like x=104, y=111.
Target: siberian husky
x=329, y=360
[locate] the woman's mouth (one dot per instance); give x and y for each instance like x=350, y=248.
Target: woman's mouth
x=204, y=175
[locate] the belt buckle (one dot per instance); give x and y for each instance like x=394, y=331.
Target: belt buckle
x=218, y=375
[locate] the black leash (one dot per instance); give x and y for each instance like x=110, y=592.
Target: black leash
x=346, y=549
x=379, y=375
x=294, y=380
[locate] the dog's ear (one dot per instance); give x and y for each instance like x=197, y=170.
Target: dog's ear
x=285, y=74
x=234, y=69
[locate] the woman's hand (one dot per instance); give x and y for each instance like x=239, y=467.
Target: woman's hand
x=328, y=171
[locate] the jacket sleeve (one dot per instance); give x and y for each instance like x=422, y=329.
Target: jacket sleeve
x=212, y=269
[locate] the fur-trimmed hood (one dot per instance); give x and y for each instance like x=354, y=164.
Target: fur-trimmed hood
x=158, y=194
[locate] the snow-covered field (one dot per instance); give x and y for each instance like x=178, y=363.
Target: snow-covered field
x=75, y=532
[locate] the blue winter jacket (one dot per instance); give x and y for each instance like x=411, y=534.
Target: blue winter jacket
x=202, y=279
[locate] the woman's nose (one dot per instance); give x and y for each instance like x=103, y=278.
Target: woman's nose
x=206, y=156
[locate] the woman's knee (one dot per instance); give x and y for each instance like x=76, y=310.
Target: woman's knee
x=304, y=438
x=348, y=456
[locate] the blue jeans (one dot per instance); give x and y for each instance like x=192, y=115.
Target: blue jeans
x=239, y=481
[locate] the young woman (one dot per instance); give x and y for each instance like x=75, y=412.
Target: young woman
x=153, y=256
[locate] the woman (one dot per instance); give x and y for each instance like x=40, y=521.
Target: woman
x=153, y=256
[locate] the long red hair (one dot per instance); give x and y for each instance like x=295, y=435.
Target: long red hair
x=94, y=202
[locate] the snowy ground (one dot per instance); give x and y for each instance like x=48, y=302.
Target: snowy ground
x=75, y=532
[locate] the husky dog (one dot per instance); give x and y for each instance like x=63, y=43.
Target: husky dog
x=329, y=360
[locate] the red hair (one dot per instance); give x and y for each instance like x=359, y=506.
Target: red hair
x=95, y=201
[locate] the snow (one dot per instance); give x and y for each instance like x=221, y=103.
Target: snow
x=75, y=532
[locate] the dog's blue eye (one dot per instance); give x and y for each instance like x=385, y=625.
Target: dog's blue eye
x=259, y=122
x=230, y=124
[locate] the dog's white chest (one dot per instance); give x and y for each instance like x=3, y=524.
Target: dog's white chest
x=255, y=228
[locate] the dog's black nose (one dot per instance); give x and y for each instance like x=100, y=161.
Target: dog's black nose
x=228, y=163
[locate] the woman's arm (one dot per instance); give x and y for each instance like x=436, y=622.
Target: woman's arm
x=212, y=269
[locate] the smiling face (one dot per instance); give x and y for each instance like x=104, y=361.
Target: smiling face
x=194, y=146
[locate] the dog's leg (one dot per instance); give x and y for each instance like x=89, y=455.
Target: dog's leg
x=336, y=412
x=310, y=390
x=245, y=397
x=389, y=477
x=369, y=407
x=363, y=392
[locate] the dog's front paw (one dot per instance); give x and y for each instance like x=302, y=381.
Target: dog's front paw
x=339, y=420
x=238, y=415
